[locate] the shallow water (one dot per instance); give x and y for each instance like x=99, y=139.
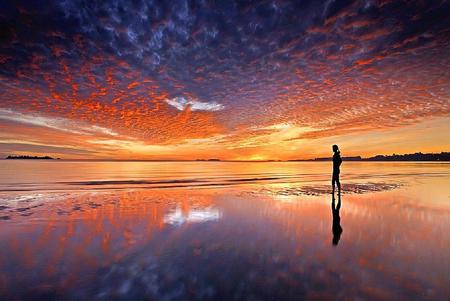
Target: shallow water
x=223, y=231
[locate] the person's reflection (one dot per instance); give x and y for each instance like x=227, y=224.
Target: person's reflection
x=337, y=229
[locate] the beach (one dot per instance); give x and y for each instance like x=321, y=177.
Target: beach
x=86, y=230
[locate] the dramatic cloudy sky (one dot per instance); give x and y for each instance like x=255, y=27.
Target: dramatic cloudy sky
x=225, y=79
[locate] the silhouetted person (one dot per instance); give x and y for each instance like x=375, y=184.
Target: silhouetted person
x=337, y=160
x=337, y=229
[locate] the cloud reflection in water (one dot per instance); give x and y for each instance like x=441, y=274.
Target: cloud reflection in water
x=178, y=217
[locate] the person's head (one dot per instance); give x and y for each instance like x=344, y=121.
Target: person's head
x=335, y=148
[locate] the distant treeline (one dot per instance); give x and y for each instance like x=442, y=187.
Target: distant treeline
x=29, y=157
x=444, y=156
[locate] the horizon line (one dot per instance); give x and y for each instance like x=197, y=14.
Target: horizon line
x=316, y=159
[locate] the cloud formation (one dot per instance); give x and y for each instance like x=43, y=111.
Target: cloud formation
x=170, y=72
x=182, y=103
x=60, y=124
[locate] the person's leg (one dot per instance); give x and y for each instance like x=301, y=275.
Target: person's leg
x=333, y=181
x=338, y=182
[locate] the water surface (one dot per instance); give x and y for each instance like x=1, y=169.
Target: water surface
x=223, y=231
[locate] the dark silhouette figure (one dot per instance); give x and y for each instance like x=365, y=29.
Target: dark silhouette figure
x=337, y=160
x=337, y=229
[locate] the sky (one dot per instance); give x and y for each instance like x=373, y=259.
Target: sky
x=236, y=80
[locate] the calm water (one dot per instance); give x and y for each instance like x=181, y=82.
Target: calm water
x=223, y=231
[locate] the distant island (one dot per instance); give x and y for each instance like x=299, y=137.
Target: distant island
x=208, y=159
x=29, y=158
x=443, y=156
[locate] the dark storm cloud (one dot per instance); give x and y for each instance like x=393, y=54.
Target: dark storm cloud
x=330, y=65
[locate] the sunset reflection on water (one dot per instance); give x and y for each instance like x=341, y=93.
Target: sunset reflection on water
x=248, y=241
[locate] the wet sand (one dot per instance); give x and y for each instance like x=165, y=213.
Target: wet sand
x=261, y=240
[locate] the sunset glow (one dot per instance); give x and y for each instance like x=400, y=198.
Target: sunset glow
x=273, y=80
